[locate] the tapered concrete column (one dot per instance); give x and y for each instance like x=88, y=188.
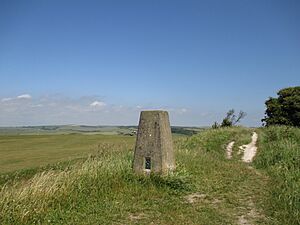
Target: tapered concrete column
x=154, y=146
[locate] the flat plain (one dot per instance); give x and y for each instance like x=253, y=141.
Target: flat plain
x=29, y=151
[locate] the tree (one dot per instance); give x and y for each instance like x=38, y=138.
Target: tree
x=285, y=109
x=215, y=125
x=231, y=119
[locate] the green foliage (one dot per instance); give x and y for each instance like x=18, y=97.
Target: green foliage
x=215, y=125
x=285, y=109
x=280, y=157
x=183, y=131
x=231, y=119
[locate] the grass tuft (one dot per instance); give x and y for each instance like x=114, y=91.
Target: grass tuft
x=280, y=157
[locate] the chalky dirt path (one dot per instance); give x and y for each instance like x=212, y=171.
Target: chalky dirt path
x=248, y=152
x=249, y=149
x=229, y=150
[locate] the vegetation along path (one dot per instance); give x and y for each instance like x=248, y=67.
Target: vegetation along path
x=206, y=188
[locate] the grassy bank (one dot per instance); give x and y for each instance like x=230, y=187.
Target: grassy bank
x=280, y=157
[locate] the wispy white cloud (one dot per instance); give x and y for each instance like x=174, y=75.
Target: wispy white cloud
x=183, y=110
x=6, y=99
x=98, y=104
x=24, y=96
x=89, y=110
x=37, y=105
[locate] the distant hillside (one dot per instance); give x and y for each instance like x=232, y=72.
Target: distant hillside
x=107, y=130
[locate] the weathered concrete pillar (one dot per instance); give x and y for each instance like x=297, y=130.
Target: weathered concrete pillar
x=154, y=146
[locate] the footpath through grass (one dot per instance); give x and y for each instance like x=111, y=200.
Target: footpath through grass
x=205, y=189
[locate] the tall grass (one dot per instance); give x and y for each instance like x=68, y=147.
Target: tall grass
x=48, y=195
x=214, y=141
x=31, y=199
x=103, y=190
x=279, y=155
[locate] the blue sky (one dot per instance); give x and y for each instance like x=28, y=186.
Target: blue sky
x=101, y=62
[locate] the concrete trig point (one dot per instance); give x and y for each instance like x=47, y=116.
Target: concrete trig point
x=154, y=146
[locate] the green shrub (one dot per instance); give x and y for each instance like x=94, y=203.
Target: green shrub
x=285, y=109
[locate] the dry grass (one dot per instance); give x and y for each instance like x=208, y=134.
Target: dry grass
x=35, y=196
x=207, y=188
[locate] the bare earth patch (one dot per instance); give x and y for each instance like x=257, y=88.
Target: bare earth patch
x=194, y=197
x=251, y=216
x=136, y=217
x=249, y=152
x=249, y=149
x=229, y=150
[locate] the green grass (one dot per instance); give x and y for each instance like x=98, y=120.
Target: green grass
x=281, y=159
x=29, y=151
x=102, y=189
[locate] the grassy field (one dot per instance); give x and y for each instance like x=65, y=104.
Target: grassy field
x=29, y=147
x=29, y=151
x=205, y=189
